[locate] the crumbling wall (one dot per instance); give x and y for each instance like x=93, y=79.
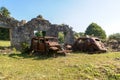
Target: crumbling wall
x=22, y=31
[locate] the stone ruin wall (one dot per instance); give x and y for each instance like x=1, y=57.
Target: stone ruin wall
x=23, y=32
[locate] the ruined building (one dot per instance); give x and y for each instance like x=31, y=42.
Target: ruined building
x=22, y=31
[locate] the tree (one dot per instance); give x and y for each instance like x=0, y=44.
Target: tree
x=4, y=12
x=78, y=34
x=4, y=33
x=38, y=34
x=115, y=36
x=61, y=36
x=95, y=30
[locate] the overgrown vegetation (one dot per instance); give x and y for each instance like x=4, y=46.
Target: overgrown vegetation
x=95, y=30
x=25, y=47
x=4, y=11
x=78, y=34
x=115, y=36
x=4, y=33
x=75, y=66
x=61, y=37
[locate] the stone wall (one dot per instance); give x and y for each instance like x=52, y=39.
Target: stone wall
x=21, y=31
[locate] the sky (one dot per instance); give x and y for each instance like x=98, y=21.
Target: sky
x=78, y=14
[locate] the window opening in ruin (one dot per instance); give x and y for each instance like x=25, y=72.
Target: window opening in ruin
x=5, y=38
x=38, y=33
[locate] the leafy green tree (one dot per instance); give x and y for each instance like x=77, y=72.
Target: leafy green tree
x=78, y=34
x=4, y=11
x=4, y=33
x=38, y=34
x=115, y=36
x=61, y=37
x=95, y=30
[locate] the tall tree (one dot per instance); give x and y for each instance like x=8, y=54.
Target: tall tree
x=96, y=30
x=4, y=33
x=4, y=12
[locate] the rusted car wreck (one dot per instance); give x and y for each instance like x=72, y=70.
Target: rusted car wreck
x=89, y=44
x=46, y=45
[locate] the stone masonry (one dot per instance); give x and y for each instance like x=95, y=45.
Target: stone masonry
x=22, y=31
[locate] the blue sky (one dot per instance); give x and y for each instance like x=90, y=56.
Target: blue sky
x=76, y=13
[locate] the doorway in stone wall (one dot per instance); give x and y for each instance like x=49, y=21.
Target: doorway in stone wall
x=5, y=40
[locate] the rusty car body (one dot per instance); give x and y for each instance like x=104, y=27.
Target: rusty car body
x=89, y=44
x=46, y=45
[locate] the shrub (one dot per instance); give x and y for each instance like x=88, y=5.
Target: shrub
x=25, y=47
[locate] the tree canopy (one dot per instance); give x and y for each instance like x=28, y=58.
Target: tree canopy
x=4, y=33
x=95, y=30
x=4, y=11
x=61, y=36
x=78, y=34
x=115, y=36
x=38, y=34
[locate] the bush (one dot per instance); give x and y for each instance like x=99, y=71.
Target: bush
x=115, y=36
x=25, y=47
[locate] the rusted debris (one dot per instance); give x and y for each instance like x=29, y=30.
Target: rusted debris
x=46, y=45
x=114, y=45
x=68, y=47
x=89, y=44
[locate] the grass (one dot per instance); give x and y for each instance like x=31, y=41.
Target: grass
x=75, y=66
x=4, y=43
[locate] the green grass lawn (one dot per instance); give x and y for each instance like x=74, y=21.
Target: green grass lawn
x=4, y=43
x=72, y=67
x=75, y=66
